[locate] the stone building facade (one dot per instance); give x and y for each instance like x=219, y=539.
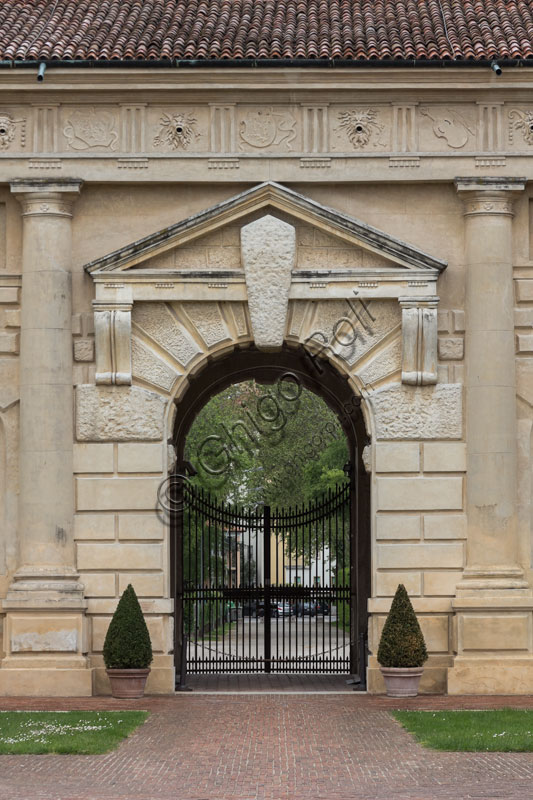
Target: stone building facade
x=155, y=222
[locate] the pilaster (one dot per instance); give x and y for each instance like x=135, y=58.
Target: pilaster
x=45, y=608
x=494, y=602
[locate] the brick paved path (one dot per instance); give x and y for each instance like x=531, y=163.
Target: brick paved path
x=269, y=747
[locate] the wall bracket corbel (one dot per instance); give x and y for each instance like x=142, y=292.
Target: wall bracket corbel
x=419, y=340
x=112, y=327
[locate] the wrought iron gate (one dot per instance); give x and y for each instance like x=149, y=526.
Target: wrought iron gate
x=266, y=590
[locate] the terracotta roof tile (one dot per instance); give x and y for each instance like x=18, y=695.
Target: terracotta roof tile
x=265, y=29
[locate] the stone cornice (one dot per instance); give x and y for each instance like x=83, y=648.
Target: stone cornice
x=128, y=79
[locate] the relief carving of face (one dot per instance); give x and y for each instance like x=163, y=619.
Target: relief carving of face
x=358, y=125
x=177, y=130
x=7, y=131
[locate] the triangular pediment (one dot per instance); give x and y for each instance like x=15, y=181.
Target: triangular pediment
x=326, y=240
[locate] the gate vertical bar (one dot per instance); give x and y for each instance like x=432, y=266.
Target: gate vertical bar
x=268, y=593
x=355, y=666
x=177, y=543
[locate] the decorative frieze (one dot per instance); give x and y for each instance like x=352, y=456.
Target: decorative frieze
x=112, y=326
x=419, y=340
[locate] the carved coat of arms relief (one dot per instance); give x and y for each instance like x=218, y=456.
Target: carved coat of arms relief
x=265, y=127
x=88, y=128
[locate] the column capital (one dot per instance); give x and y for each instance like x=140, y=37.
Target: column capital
x=489, y=195
x=43, y=197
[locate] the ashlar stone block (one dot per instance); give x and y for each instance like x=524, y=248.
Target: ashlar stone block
x=119, y=556
x=141, y=526
x=137, y=457
x=146, y=584
x=9, y=294
x=94, y=526
x=387, y=583
x=396, y=457
x=120, y=494
x=398, y=526
x=420, y=556
x=445, y=457
x=451, y=348
x=84, y=349
x=419, y=494
x=93, y=457
x=494, y=632
x=9, y=343
x=444, y=526
x=99, y=584
x=440, y=583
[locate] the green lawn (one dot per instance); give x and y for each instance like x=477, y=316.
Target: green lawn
x=86, y=732
x=503, y=730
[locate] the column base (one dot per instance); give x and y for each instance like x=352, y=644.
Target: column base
x=492, y=633
x=491, y=675
x=45, y=636
x=56, y=682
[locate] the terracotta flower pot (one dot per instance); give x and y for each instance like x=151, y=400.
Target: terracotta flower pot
x=402, y=681
x=128, y=682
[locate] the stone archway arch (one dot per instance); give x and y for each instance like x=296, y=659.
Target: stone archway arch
x=337, y=391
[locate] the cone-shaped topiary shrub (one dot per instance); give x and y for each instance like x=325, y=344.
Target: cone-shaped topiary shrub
x=127, y=643
x=402, y=642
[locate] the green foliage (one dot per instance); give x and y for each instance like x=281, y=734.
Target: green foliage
x=127, y=643
x=87, y=732
x=402, y=642
x=505, y=730
x=264, y=447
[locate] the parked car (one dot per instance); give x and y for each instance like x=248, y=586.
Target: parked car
x=306, y=608
x=281, y=609
x=322, y=607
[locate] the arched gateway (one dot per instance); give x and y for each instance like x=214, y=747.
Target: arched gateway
x=266, y=282
x=284, y=562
